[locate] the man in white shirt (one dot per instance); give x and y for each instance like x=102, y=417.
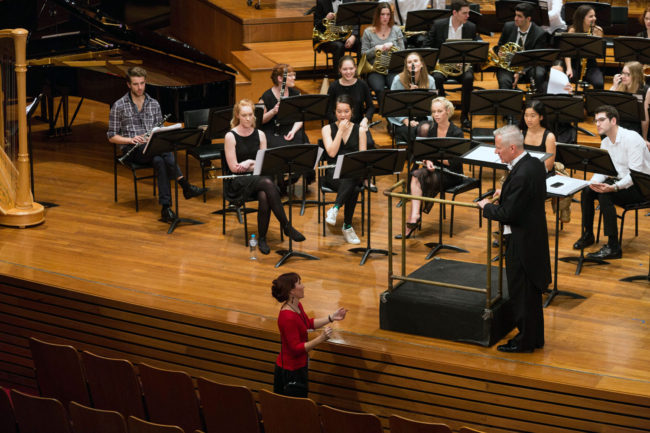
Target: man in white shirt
x=628, y=151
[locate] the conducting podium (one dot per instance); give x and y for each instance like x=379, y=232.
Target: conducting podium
x=365, y=165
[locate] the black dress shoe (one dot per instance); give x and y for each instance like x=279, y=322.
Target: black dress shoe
x=584, y=241
x=263, y=246
x=294, y=234
x=193, y=191
x=167, y=214
x=465, y=123
x=606, y=252
x=513, y=348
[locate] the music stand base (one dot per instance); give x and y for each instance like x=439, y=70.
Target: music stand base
x=553, y=293
x=286, y=254
x=366, y=253
x=177, y=221
x=581, y=260
x=435, y=247
x=636, y=278
x=47, y=204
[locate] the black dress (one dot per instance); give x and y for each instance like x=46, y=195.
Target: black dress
x=352, y=145
x=541, y=147
x=429, y=180
x=275, y=133
x=242, y=187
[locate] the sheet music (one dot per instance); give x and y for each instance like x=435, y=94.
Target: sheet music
x=557, y=81
x=563, y=185
x=339, y=164
x=259, y=160
x=161, y=129
x=318, y=157
x=485, y=153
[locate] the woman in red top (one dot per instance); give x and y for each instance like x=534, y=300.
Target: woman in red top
x=291, y=366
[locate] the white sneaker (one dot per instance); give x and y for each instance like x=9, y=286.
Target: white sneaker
x=331, y=216
x=350, y=236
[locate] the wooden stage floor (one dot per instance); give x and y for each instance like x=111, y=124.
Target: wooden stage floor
x=89, y=244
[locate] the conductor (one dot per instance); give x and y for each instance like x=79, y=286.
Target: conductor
x=521, y=211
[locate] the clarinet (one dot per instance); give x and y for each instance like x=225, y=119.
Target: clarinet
x=146, y=136
x=413, y=73
x=282, y=88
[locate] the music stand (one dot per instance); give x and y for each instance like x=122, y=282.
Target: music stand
x=366, y=164
x=296, y=158
x=172, y=141
x=355, y=13
x=562, y=109
x=505, y=11
x=628, y=48
x=586, y=158
x=630, y=109
x=603, y=12
x=463, y=51
x=429, y=55
x=422, y=19
x=642, y=182
x=532, y=59
x=580, y=46
x=439, y=149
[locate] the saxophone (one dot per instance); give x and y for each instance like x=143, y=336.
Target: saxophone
x=583, y=62
x=380, y=65
x=332, y=33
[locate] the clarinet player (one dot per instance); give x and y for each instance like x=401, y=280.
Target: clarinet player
x=132, y=117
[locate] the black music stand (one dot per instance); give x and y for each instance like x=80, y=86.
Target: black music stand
x=630, y=109
x=296, y=158
x=31, y=109
x=586, y=158
x=366, y=164
x=463, y=51
x=532, y=59
x=603, y=12
x=503, y=102
x=422, y=19
x=172, y=141
x=429, y=55
x=439, y=149
x=642, y=182
x=563, y=109
x=580, y=46
x=628, y=48
x=302, y=108
x=505, y=11
x=355, y=13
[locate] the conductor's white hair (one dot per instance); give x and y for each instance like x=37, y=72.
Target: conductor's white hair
x=510, y=134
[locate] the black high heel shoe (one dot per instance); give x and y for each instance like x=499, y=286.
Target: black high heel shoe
x=411, y=228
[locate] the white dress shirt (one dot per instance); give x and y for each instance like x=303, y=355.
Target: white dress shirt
x=555, y=20
x=627, y=152
x=454, y=34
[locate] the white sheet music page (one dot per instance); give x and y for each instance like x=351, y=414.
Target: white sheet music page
x=339, y=164
x=557, y=81
x=259, y=160
x=161, y=129
x=563, y=185
x=318, y=157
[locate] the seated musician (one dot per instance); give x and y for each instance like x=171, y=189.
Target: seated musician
x=426, y=180
x=455, y=27
x=381, y=36
x=327, y=9
x=241, y=145
x=644, y=19
x=584, y=21
x=339, y=138
x=628, y=152
x=631, y=80
x=527, y=35
x=414, y=76
x=131, y=119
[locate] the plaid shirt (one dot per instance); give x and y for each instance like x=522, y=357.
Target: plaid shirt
x=127, y=121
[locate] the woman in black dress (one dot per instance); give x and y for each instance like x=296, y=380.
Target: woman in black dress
x=584, y=21
x=241, y=145
x=426, y=180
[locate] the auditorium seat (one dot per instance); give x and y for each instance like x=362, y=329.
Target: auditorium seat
x=228, y=408
x=170, y=397
x=400, y=424
x=282, y=414
x=88, y=420
x=59, y=373
x=39, y=414
x=113, y=385
x=7, y=418
x=137, y=425
x=342, y=421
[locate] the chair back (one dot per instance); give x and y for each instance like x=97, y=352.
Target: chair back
x=39, y=414
x=399, y=424
x=170, y=397
x=196, y=118
x=219, y=122
x=288, y=414
x=59, y=372
x=88, y=420
x=228, y=408
x=342, y=421
x=7, y=418
x=113, y=385
x=137, y=425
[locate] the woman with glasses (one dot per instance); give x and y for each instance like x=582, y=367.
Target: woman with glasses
x=631, y=80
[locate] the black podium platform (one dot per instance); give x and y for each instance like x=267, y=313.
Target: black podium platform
x=447, y=313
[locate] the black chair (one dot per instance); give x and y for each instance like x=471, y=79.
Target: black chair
x=626, y=208
x=206, y=151
x=134, y=167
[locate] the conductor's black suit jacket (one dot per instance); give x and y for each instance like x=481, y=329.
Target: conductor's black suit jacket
x=521, y=205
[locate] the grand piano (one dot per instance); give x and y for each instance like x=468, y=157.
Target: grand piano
x=75, y=50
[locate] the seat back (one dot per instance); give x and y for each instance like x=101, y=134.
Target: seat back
x=196, y=118
x=399, y=424
x=88, y=420
x=7, y=418
x=137, y=425
x=39, y=414
x=288, y=414
x=170, y=397
x=341, y=421
x=228, y=408
x=59, y=372
x=113, y=385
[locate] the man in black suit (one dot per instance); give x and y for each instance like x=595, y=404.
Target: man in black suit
x=455, y=27
x=522, y=213
x=528, y=35
x=328, y=9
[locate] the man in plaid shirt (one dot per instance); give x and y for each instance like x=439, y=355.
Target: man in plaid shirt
x=131, y=118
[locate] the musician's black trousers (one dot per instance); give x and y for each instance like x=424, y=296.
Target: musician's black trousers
x=507, y=78
x=379, y=82
x=607, y=202
x=166, y=171
x=337, y=49
x=467, y=81
x=347, y=195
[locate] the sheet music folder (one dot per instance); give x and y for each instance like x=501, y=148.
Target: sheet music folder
x=158, y=129
x=484, y=155
x=564, y=186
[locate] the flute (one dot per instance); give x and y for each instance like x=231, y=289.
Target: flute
x=446, y=170
x=232, y=176
x=146, y=136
